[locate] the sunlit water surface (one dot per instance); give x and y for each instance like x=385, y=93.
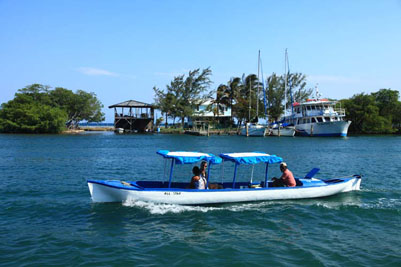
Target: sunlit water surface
x=47, y=217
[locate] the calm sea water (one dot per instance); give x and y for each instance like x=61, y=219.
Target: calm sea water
x=47, y=217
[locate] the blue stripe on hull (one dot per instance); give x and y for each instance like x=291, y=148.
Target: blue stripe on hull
x=303, y=133
x=333, y=134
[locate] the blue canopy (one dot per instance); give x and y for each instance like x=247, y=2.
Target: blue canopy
x=185, y=157
x=251, y=157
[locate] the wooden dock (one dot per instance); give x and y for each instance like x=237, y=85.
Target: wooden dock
x=211, y=132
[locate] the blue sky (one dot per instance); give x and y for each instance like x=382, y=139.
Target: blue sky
x=121, y=49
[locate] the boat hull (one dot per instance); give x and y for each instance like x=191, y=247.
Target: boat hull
x=286, y=131
x=335, y=128
x=254, y=131
x=110, y=191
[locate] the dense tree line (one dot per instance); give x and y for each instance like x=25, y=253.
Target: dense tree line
x=375, y=113
x=183, y=94
x=248, y=96
x=39, y=109
x=244, y=95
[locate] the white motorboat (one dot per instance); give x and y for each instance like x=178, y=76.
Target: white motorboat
x=254, y=130
x=283, y=130
x=119, y=130
x=234, y=191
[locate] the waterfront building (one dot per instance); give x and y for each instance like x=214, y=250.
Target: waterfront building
x=209, y=111
x=133, y=116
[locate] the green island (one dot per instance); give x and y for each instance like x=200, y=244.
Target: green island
x=38, y=108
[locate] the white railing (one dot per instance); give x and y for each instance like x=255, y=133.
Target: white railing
x=327, y=112
x=132, y=116
x=340, y=111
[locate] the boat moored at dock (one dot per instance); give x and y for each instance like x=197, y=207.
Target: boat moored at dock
x=318, y=117
x=283, y=130
x=254, y=129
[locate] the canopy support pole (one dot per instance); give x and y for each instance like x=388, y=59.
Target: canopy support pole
x=208, y=174
x=253, y=166
x=171, y=173
x=222, y=171
x=235, y=174
x=165, y=168
x=267, y=175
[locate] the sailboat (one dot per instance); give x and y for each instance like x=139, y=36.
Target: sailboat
x=283, y=128
x=254, y=129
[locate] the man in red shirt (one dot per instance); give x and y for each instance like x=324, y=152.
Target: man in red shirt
x=286, y=179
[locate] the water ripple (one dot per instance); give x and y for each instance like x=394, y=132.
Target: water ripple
x=47, y=217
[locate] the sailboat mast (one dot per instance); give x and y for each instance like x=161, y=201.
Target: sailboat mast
x=285, y=82
x=250, y=99
x=290, y=83
x=257, y=95
x=263, y=90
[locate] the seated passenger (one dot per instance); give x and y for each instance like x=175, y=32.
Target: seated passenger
x=197, y=181
x=203, y=175
x=286, y=179
x=203, y=167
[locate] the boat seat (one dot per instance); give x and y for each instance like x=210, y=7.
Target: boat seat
x=312, y=173
x=299, y=182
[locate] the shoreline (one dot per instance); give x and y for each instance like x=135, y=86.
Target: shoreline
x=180, y=131
x=224, y=132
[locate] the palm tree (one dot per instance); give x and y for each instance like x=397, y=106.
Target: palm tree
x=222, y=98
x=249, y=92
x=220, y=102
x=242, y=92
x=233, y=89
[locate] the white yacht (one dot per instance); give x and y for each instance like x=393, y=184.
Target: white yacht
x=318, y=117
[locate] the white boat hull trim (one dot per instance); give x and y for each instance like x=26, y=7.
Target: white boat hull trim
x=254, y=130
x=285, y=131
x=334, y=128
x=117, y=191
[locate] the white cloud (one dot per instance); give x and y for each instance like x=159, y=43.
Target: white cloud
x=172, y=74
x=96, y=72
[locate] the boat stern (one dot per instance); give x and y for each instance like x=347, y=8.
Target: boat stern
x=354, y=184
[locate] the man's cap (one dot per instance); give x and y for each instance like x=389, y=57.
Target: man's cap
x=283, y=164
